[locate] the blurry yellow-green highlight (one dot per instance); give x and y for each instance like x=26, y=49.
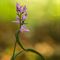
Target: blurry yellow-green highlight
x=39, y=11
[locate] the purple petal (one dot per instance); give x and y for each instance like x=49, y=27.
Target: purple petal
x=24, y=17
x=21, y=9
x=17, y=7
x=24, y=29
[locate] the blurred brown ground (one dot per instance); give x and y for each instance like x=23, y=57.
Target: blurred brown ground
x=45, y=39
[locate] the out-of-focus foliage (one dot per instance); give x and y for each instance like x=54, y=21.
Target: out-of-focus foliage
x=37, y=9
x=7, y=10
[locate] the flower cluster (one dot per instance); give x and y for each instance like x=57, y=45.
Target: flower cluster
x=21, y=17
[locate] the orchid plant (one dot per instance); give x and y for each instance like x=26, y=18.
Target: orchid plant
x=20, y=19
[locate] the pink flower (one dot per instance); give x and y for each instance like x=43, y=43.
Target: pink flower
x=21, y=16
x=20, y=9
x=24, y=29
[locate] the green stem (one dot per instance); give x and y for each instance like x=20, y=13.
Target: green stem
x=31, y=50
x=17, y=39
x=20, y=53
x=14, y=52
x=24, y=50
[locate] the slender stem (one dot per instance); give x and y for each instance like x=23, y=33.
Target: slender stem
x=17, y=34
x=17, y=39
x=20, y=53
x=14, y=51
x=24, y=50
x=31, y=50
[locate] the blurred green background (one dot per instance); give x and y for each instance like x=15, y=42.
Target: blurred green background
x=44, y=24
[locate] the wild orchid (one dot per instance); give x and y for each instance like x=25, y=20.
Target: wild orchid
x=20, y=19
